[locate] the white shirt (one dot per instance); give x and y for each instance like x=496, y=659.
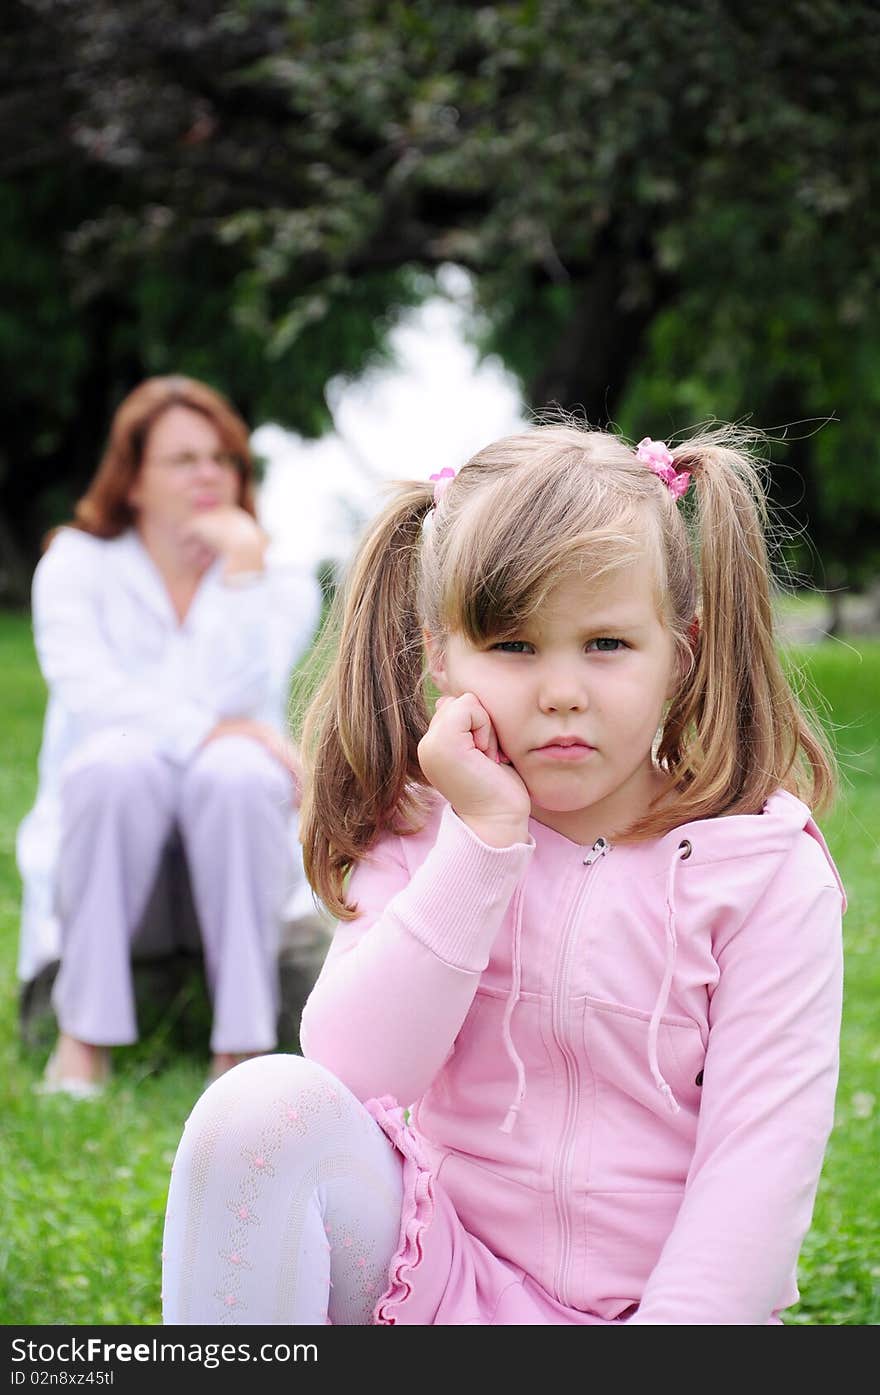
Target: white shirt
x=115, y=655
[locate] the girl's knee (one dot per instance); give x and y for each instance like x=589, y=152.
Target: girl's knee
x=260, y=1076
x=266, y=1097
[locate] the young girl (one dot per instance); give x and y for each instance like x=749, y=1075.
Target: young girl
x=572, y=1057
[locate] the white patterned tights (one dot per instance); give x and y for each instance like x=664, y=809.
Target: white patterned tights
x=284, y=1203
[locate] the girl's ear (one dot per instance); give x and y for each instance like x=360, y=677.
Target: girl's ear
x=436, y=660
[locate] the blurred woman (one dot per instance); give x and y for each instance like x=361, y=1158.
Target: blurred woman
x=166, y=627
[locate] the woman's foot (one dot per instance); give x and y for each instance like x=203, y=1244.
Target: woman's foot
x=76, y=1068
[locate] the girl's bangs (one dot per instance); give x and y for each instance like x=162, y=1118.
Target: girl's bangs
x=492, y=593
x=509, y=544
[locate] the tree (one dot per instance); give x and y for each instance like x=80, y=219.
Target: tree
x=604, y=171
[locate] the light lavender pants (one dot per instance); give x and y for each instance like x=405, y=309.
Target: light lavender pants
x=120, y=801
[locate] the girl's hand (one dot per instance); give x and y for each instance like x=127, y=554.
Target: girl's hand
x=460, y=756
x=230, y=533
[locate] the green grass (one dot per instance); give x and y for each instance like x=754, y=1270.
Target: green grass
x=839, y=1273
x=84, y=1185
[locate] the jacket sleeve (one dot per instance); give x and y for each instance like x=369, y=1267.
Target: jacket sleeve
x=293, y=614
x=250, y=635
x=399, y=979
x=766, y=1112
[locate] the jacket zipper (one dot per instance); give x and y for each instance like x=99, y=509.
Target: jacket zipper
x=566, y=1153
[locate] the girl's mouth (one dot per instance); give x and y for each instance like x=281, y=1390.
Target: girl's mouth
x=556, y=751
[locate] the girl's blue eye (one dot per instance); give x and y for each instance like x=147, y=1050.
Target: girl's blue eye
x=606, y=645
x=512, y=646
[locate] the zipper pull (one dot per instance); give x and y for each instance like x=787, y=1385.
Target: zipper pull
x=599, y=849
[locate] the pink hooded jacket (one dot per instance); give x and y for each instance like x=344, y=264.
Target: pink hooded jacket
x=621, y=1064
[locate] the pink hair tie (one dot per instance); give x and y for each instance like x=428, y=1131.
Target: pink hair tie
x=658, y=457
x=442, y=482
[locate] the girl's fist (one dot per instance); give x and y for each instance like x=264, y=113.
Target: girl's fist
x=459, y=754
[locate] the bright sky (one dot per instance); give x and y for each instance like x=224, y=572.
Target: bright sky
x=436, y=408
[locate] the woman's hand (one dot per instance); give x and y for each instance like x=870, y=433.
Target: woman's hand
x=459, y=754
x=279, y=747
x=232, y=534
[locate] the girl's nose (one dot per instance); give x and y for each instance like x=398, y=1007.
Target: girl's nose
x=561, y=689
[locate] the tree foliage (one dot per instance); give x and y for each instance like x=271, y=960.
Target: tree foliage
x=666, y=209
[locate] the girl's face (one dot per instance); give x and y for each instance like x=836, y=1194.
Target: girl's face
x=597, y=664
x=185, y=470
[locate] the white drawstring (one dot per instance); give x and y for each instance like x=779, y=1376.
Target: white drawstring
x=682, y=852
x=512, y=1000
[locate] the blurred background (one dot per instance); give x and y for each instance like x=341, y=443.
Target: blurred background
x=390, y=232
x=654, y=213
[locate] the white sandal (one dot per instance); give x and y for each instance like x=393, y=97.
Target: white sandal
x=54, y=1084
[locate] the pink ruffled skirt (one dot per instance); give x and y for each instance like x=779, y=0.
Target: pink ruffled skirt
x=441, y=1274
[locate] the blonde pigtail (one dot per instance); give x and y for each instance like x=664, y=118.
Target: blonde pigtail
x=362, y=728
x=736, y=729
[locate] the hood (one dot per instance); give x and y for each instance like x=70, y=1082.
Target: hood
x=760, y=843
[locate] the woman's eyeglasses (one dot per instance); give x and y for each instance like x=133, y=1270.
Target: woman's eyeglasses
x=188, y=460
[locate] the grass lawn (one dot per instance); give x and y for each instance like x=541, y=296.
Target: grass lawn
x=84, y=1184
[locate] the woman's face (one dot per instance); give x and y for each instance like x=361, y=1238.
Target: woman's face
x=185, y=470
